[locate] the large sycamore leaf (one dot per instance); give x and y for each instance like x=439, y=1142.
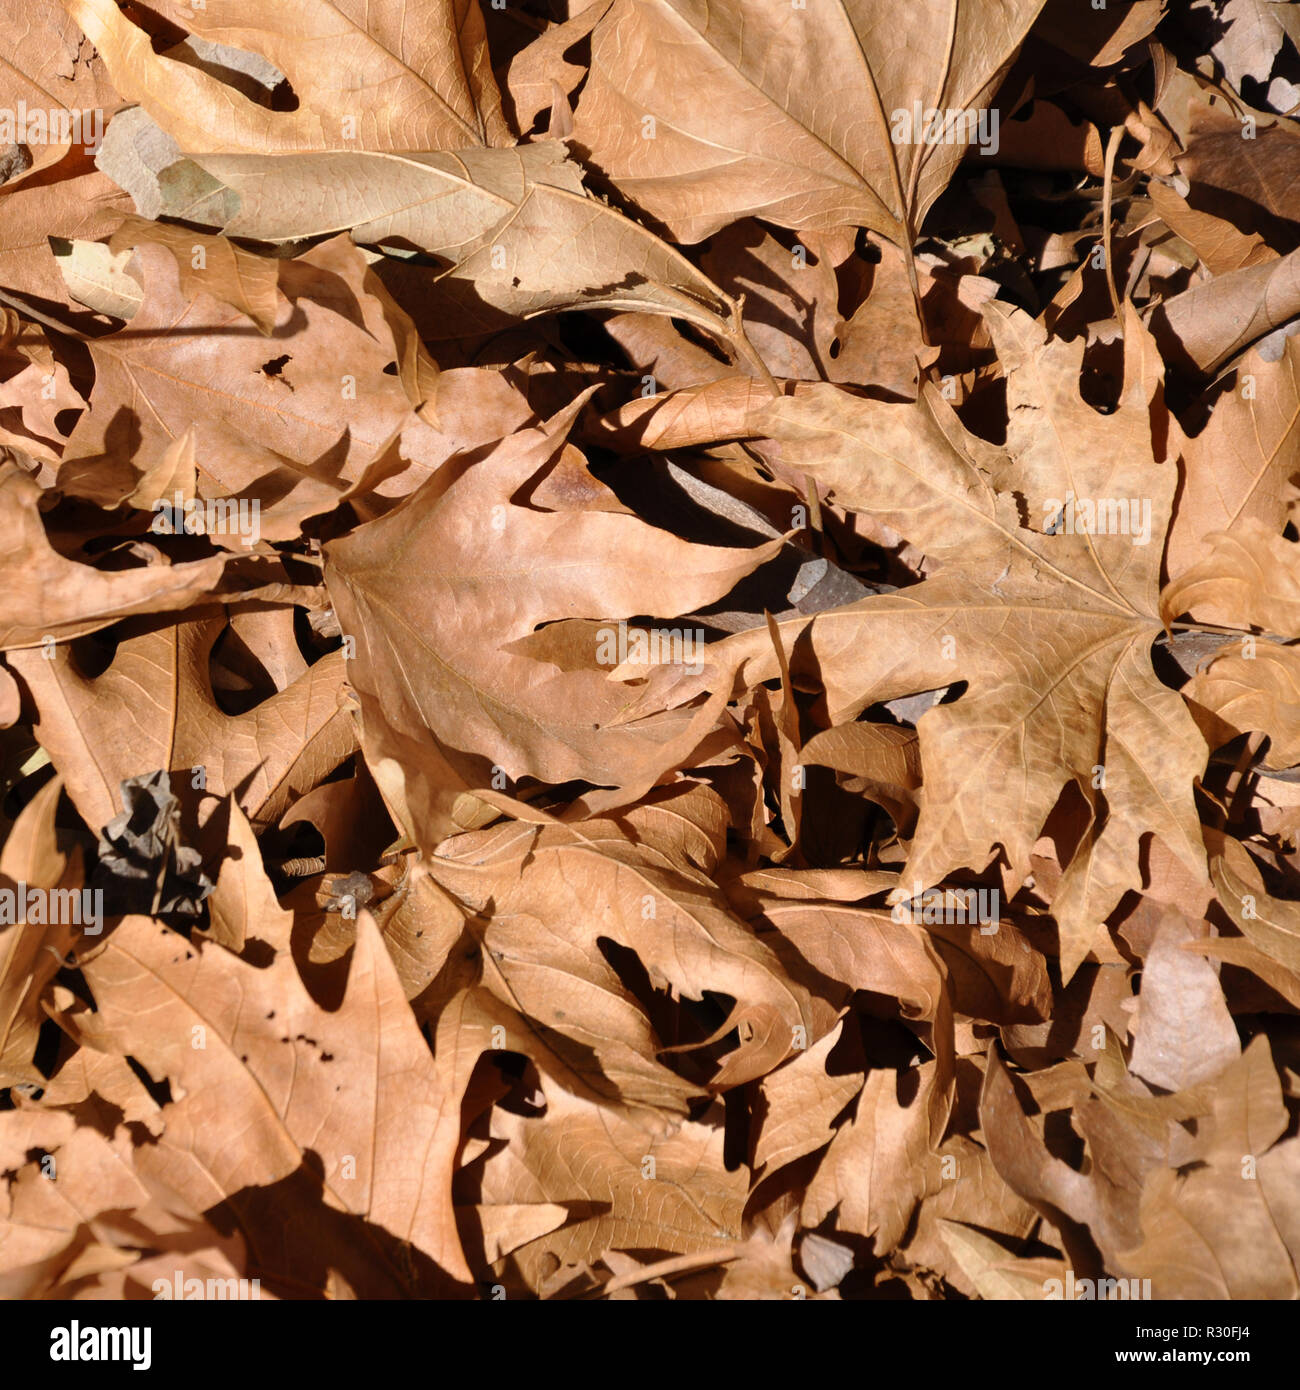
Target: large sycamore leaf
x=396, y=75
x=798, y=127
x=436, y=668
x=1051, y=632
x=265, y=1081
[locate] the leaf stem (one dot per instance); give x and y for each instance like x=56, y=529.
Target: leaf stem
x=909, y=260
x=1225, y=809
x=676, y=1264
x=815, y=515
x=1108, y=176
x=1214, y=630
x=742, y=350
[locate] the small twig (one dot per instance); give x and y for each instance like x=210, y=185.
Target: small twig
x=1085, y=193
x=58, y=325
x=914, y=283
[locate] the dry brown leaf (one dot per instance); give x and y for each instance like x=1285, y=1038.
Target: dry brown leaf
x=268, y=426
x=1227, y=1228
x=479, y=702
x=1185, y=1033
x=50, y=598
x=522, y=234
x=33, y=944
x=46, y=82
x=547, y=888
x=1257, y=690
x=357, y=1088
x=157, y=696
x=656, y=1186
x=1250, y=578
x=1206, y=326
x=1243, y=466
x=366, y=77
x=801, y=130
x=731, y=729
x=1087, y=652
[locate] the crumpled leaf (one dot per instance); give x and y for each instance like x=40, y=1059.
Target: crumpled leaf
x=142, y=865
x=522, y=234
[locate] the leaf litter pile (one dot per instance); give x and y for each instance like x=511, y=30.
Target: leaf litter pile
x=649, y=649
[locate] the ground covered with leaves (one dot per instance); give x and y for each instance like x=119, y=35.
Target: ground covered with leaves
x=649, y=649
